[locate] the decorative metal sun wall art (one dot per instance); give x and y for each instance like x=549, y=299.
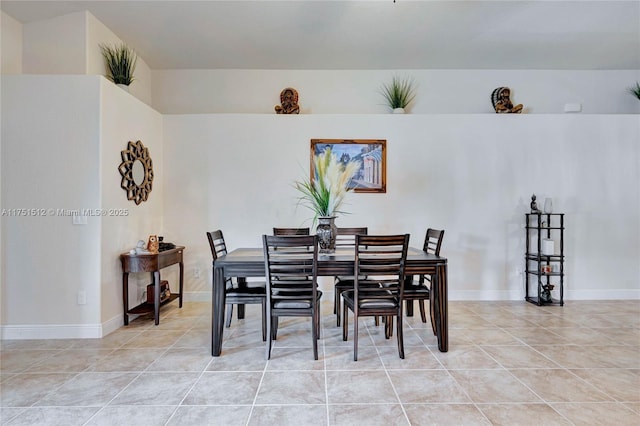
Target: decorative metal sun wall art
x=137, y=172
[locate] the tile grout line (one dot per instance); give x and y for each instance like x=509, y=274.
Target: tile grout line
x=386, y=372
x=195, y=382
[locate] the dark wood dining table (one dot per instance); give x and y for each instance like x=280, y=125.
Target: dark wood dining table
x=249, y=262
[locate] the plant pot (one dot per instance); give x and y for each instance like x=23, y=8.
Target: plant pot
x=124, y=87
x=398, y=110
x=326, y=232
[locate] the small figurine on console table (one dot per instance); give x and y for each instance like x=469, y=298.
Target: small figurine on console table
x=534, y=205
x=153, y=244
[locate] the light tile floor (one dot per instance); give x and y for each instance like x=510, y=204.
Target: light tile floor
x=509, y=363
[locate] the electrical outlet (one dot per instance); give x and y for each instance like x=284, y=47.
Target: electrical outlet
x=77, y=219
x=196, y=272
x=82, y=297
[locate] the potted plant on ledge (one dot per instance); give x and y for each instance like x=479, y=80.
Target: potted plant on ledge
x=325, y=193
x=121, y=63
x=399, y=94
x=635, y=91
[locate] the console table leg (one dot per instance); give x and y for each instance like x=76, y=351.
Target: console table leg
x=181, y=264
x=156, y=292
x=125, y=297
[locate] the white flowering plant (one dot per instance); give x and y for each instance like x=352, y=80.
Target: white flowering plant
x=325, y=193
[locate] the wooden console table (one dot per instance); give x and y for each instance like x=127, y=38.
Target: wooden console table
x=150, y=263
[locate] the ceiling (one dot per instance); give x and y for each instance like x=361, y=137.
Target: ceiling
x=375, y=34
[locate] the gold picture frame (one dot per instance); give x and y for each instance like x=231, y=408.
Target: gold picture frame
x=372, y=154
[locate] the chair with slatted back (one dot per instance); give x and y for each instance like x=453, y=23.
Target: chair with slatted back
x=381, y=258
x=345, y=238
x=239, y=292
x=419, y=289
x=290, y=231
x=292, y=282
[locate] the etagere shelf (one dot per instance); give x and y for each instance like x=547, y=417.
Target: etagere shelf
x=544, y=258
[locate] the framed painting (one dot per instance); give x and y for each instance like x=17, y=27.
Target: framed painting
x=371, y=153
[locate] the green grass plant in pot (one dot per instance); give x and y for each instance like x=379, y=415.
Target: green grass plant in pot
x=325, y=193
x=635, y=91
x=120, y=60
x=399, y=93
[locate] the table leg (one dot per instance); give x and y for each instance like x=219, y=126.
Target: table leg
x=156, y=293
x=408, y=280
x=125, y=296
x=217, y=311
x=242, y=282
x=441, y=303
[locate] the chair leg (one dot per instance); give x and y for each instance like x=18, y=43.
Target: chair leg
x=355, y=336
x=423, y=315
x=345, y=322
x=318, y=322
x=409, y=307
x=336, y=306
x=264, y=319
x=229, y=314
x=314, y=332
x=400, y=336
x=274, y=328
x=268, y=345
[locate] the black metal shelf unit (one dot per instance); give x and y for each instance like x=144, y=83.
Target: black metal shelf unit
x=544, y=262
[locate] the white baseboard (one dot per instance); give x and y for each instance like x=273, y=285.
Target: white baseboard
x=604, y=294
x=51, y=331
x=96, y=331
x=112, y=325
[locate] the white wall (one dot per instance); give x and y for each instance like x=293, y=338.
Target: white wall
x=50, y=161
x=471, y=175
x=125, y=118
x=61, y=143
x=98, y=33
x=56, y=45
x=10, y=45
x=70, y=44
x=358, y=91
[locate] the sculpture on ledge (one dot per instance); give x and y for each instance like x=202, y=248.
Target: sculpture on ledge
x=501, y=102
x=289, y=101
x=534, y=205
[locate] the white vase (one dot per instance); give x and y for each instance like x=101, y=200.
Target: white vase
x=123, y=87
x=398, y=110
x=548, y=205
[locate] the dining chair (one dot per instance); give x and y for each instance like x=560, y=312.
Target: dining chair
x=292, y=282
x=346, y=238
x=420, y=289
x=381, y=258
x=290, y=231
x=239, y=292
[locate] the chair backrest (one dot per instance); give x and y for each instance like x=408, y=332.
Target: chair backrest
x=433, y=241
x=217, y=244
x=219, y=248
x=382, y=258
x=290, y=231
x=347, y=236
x=291, y=266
